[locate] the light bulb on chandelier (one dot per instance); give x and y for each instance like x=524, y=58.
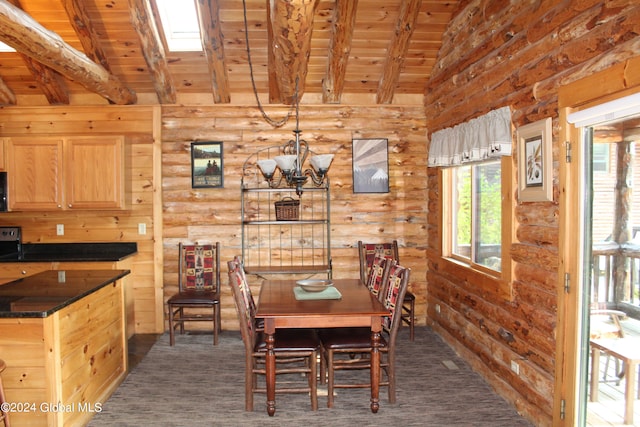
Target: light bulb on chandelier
x=291, y=162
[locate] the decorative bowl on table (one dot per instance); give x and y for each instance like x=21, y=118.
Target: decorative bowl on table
x=314, y=285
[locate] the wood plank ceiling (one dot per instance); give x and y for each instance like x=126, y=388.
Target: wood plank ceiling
x=67, y=49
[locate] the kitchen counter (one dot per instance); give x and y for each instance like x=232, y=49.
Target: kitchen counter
x=44, y=252
x=64, y=337
x=45, y=293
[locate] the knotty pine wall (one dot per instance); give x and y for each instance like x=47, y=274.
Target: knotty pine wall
x=518, y=55
x=143, y=287
x=209, y=215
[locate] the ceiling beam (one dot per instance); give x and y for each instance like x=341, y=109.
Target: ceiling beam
x=292, y=24
x=153, y=50
x=28, y=37
x=86, y=32
x=397, y=50
x=339, y=49
x=213, y=46
x=51, y=83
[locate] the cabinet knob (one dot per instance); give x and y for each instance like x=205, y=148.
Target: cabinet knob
x=23, y=272
x=69, y=205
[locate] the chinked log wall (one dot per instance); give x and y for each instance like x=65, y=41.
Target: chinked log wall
x=518, y=55
x=214, y=214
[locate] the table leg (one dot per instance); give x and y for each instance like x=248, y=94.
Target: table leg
x=630, y=382
x=270, y=368
x=595, y=373
x=375, y=371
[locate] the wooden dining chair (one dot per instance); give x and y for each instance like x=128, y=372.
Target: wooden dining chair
x=198, y=297
x=367, y=253
x=350, y=348
x=296, y=349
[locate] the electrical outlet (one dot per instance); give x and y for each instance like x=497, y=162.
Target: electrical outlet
x=60, y=229
x=515, y=367
x=142, y=228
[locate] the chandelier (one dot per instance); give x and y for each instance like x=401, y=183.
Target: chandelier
x=288, y=168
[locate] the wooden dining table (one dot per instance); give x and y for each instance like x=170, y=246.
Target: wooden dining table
x=279, y=308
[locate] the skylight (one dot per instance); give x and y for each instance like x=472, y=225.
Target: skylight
x=180, y=25
x=6, y=48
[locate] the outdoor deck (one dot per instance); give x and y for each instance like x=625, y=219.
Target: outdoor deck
x=609, y=410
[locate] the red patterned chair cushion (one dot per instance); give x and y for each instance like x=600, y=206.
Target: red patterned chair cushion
x=391, y=297
x=198, y=267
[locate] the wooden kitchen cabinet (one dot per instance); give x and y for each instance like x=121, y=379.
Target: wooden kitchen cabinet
x=34, y=173
x=94, y=176
x=3, y=158
x=84, y=173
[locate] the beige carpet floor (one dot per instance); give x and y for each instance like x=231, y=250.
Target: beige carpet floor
x=197, y=384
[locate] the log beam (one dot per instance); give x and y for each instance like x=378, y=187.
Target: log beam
x=50, y=81
x=86, y=32
x=339, y=49
x=213, y=46
x=145, y=25
x=28, y=37
x=292, y=22
x=397, y=50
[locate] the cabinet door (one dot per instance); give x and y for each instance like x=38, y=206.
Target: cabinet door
x=3, y=149
x=34, y=172
x=94, y=172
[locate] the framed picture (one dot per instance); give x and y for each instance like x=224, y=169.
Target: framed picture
x=535, y=167
x=206, y=165
x=370, y=166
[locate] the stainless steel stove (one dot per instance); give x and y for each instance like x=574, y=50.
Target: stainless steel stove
x=10, y=243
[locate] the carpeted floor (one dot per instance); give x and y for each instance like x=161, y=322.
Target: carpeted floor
x=196, y=384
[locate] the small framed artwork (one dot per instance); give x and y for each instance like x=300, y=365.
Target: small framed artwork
x=535, y=168
x=206, y=165
x=370, y=166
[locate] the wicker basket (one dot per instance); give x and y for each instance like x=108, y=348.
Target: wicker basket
x=287, y=209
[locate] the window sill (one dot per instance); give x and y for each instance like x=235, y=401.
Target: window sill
x=476, y=279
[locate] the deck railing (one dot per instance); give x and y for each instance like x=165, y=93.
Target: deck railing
x=605, y=256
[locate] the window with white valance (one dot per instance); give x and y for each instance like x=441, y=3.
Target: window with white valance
x=483, y=138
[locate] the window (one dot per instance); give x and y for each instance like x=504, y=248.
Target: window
x=601, y=157
x=475, y=235
x=476, y=207
x=476, y=231
x=180, y=25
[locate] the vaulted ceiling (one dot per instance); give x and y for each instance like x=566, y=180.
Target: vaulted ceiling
x=76, y=51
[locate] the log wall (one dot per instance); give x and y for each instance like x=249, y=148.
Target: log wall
x=516, y=54
x=213, y=214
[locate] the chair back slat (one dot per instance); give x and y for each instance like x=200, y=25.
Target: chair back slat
x=199, y=267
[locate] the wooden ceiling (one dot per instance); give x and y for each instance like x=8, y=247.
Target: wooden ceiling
x=77, y=51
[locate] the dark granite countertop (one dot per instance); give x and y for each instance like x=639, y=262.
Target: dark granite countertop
x=45, y=293
x=44, y=252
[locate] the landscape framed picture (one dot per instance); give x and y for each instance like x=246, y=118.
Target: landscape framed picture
x=370, y=165
x=534, y=162
x=207, y=165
